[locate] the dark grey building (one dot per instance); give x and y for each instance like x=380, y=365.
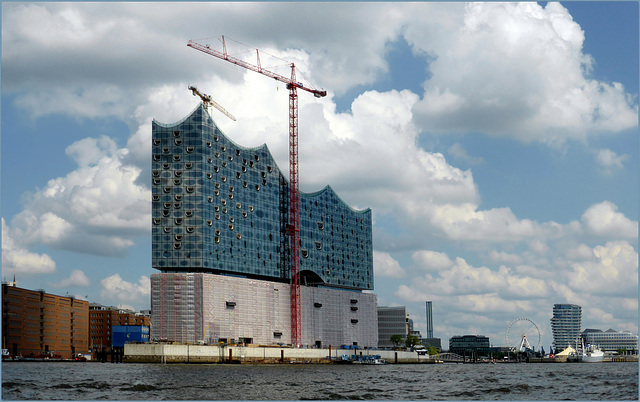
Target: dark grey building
x=391, y=321
x=469, y=343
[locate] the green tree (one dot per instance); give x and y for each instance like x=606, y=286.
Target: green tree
x=411, y=341
x=432, y=350
x=396, y=340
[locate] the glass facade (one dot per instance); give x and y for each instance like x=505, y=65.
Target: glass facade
x=222, y=208
x=565, y=326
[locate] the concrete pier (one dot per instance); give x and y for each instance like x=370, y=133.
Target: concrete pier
x=173, y=353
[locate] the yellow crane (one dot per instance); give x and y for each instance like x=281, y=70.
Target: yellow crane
x=206, y=99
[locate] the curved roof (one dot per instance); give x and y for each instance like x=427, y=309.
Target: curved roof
x=264, y=146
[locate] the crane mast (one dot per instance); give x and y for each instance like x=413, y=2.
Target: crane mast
x=294, y=193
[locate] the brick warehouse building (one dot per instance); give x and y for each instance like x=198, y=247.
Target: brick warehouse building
x=35, y=322
x=101, y=322
x=219, y=230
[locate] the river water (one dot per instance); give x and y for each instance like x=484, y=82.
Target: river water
x=98, y=381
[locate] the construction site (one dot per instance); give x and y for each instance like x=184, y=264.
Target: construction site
x=244, y=256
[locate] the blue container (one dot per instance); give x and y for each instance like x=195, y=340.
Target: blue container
x=122, y=334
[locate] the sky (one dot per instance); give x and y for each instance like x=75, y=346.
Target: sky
x=496, y=144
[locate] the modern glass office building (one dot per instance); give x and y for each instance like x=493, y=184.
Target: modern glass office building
x=221, y=208
x=565, y=326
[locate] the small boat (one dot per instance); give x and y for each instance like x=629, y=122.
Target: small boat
x=7, y=357
x=367, y=359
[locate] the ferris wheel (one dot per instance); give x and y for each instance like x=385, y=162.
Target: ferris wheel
x=522, y=334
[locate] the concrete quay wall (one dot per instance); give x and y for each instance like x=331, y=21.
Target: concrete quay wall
x=172, y=353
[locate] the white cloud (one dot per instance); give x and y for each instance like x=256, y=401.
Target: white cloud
x=459, y=153
x=18, y=260
x=603, y=220
x=612, y=271
x=97, y=208
x=432, y=261
x=77, y=278
x=466, y=222
x=503, y=257
x=386, y=266
x=504, y=50
x=610, y=161
x=116, y=290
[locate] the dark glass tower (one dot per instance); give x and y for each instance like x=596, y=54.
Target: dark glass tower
x=222, y=208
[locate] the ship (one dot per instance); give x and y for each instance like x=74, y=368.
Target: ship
x=591, y=354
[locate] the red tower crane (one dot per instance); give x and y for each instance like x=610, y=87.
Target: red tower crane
x=294, y=194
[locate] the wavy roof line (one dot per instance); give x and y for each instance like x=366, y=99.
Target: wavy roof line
x=260, y=147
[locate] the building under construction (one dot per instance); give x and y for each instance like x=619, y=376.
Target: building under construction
x=221, y=241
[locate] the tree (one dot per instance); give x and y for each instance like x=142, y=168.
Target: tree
x=411, y=341
x=396, y=340
x=432, y=350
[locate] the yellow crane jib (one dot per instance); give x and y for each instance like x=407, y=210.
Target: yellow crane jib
x=206, y=99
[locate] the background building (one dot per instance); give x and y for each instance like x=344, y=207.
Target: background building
x=430, y=340
x=222, y=209
x=35, y=322
x=102, y=319
x=611, y=340
x=429, y=315
x=565, y=325
x=469, y=343
x=391, y=321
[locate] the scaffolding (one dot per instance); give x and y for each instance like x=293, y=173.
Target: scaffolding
x=207, y=308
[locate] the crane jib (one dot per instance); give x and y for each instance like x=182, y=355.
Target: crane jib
x=253, y=67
